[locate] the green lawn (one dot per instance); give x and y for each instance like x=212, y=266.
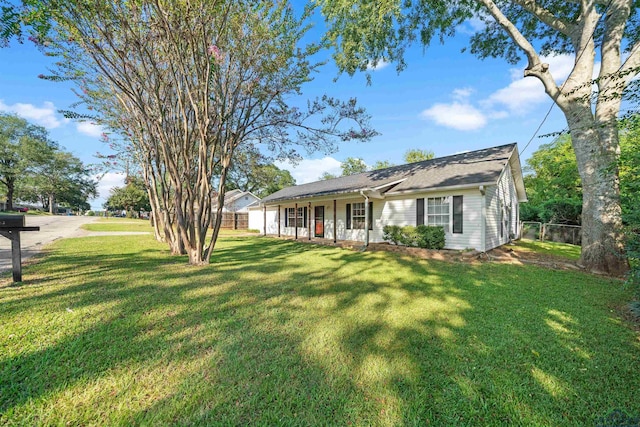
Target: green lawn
x=114, y=331
x=560, y=250
x=119, y=224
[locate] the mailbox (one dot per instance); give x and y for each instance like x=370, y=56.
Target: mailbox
x=11, y=221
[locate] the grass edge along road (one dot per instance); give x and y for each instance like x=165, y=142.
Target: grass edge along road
x=113, y=330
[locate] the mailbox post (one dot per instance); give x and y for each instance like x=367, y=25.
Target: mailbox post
x=10, y=227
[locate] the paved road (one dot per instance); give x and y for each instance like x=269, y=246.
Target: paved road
x=51, y=228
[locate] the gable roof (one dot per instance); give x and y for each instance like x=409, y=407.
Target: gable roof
x=233, y=195
x=480, y=167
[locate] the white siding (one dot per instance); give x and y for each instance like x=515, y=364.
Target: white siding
x=256, y=219
x=502, y=202
x=241, y=203
x=402, y=211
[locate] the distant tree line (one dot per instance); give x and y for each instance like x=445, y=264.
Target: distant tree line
x=354, y=165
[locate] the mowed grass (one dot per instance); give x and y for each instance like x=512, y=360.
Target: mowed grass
x=114, y=331
x=119, y=224
x=554, y=249
x=143, y=225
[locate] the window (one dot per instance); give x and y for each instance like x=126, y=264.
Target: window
x=302, y=217
x=290, y=217
x=356, y=216
x=438, y=212
x=457, y=214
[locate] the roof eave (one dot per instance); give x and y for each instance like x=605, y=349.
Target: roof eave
x=443, y=188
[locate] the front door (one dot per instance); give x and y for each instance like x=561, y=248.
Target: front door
x=319, y=219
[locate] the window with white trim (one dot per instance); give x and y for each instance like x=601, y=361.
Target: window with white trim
x=357, y=216
x=301, y=215
x=438, y=212
x=291, y=217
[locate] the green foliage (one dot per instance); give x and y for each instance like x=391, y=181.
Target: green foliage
x=24, y=148
x=133, y=197
x=408, y=236
x=61, y=179
x=392, y=233
x=326, y=176
x=553, y=184
x=418, y=155
x=382, y=164
x=254, y=172
x=629, y=170
x=422, y=236
x=632, y=250
x=352, y=166
x=430, y=237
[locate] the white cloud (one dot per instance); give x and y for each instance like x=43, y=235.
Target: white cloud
x=516, y=99
x=90, y=129
x=43, y=116
x=457, y=115
x=519, y=97
x=525, y=93
x=378, y=66
x=462, y=94
x=309, y=170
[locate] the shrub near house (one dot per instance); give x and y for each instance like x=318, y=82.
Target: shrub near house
x=422, y=236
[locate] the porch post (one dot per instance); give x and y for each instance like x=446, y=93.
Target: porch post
x=264, y=219
x=295, y=222
x=309, y=221
x=278, y=218
x=335, y=222
x=366, y=221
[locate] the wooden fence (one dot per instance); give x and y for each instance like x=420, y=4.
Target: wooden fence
x=235, y=221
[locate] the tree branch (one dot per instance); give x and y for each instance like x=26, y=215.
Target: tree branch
x=546, y=16
x=535, y=67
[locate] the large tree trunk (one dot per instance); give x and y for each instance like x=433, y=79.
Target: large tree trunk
x=52, y=204
x=10, y=190
x=596, y=149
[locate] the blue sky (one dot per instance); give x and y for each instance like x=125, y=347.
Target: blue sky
x=445, y=101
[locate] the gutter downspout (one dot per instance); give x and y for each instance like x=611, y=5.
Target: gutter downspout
x=483, y=219
x=366, y=218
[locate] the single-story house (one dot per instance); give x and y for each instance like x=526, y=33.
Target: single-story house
x=237, y=201
x=474, y=196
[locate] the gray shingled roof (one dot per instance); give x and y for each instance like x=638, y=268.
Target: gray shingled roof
x=473, y=167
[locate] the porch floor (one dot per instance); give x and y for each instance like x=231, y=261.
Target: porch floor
x=349, y=244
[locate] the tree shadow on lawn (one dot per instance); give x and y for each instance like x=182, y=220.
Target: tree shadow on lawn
x=277, y=332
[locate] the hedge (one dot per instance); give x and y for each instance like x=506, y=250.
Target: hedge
x=422, y=236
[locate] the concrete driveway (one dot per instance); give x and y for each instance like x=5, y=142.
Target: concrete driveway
x=51, y=228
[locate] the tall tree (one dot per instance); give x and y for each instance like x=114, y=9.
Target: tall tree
x=553, y=184
x=132, y=197
x=254, y=172
x=382, y=164
x=327, y=176
x=23, y=147
x=353, y=165
x=61, y=180
x=630, y=171
x=418, y=155
x=187, y=83
x=606, y=31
